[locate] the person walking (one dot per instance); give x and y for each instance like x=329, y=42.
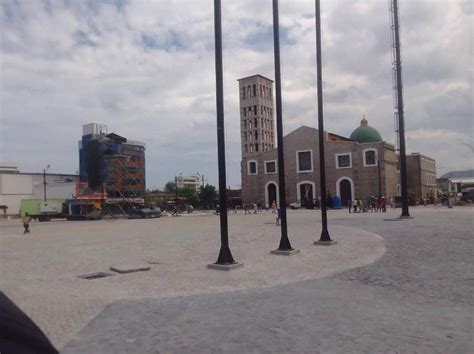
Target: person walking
x=274, y=206
x=349, y=203
x=26, y=223
x=278, y=217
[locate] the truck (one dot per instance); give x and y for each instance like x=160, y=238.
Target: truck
x=41, y=210
x=70, y=209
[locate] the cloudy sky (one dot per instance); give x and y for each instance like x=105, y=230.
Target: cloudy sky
x=146, y=69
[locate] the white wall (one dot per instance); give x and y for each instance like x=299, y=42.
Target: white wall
x=15, y=187
x=12, y=184
x=55, y=191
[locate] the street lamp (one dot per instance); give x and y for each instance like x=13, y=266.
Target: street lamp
x=44, y=181
x=176, y=191
x=325, y=239
x=285, y=247
x=225, y=261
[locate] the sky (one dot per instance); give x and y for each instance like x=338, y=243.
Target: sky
x=146, y=70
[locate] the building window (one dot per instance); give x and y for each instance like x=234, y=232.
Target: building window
x=246, y=148
x=343, y=161
x=254, y=90
x=242, y=93
x=270, y=167
x=248, y=91
x=251, y=147
x=304, y=160
x=256, y=147
x=252, y=167
x=370, y=157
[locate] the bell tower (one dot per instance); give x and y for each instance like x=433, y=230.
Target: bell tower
x=257, y=132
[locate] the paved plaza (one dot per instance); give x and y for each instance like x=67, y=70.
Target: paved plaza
x=387, y=286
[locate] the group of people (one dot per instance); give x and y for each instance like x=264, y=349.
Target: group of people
x=254, y=209
x=372, y=204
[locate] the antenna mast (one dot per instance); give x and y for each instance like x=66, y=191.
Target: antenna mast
x=398, y=104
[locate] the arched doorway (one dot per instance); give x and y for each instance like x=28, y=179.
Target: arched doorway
x=271, y=194
x=306, y=193
x=345, y=190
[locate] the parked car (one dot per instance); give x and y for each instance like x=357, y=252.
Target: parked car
x=305, y=204
x=295, y=205
x=144, y=213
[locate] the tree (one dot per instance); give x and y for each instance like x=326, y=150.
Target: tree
x=190, y=194
x=207, y=196
x=170, y=187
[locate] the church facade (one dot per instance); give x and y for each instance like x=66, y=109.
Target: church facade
x=360, y=166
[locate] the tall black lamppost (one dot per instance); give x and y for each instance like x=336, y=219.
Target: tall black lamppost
x=225, y=261
x=325, y=239
x=285, y=247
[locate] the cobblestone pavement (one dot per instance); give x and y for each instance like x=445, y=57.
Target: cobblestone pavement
x=40, y=271
x=416, y=299
x=431, y=255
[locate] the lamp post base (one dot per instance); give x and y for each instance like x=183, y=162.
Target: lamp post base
x=324, y=243
x=225, y=267
x=400, y=218
x=285, y=252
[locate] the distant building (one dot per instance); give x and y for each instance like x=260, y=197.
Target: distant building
x=192, y=182
x=110, y=161
x=458, y=183
x=16, y=186
x=421, y=176
x=356, y=168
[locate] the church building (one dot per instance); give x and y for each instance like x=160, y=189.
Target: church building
x=359, y=166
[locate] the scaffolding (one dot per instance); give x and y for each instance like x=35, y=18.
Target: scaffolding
x=114, y=166
x=124, y=182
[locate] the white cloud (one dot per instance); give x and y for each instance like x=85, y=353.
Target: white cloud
x=147, y=70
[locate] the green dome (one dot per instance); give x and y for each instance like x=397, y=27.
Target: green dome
x=366, y=134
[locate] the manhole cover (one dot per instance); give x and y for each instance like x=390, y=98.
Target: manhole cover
x=95, y=275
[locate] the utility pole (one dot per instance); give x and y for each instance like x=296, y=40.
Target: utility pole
x=44, y=184
x=400, y=109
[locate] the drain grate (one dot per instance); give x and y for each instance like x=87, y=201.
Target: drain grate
x=95, y=275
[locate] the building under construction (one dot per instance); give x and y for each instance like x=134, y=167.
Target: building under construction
x=112, y=166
